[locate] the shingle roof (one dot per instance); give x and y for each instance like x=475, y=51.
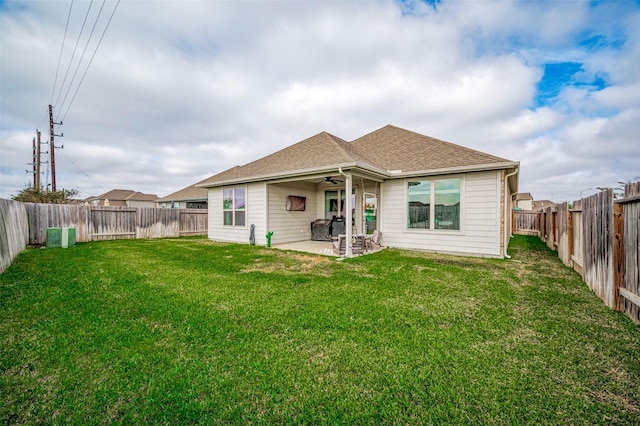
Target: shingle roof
x=384, y=150
x=321, y=150
x=191, y=193
x=524, y=196
x=399, y=149
x=124, y=194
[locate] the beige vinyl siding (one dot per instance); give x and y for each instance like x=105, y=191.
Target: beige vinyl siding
x=255, y=214
x=479, y=232
x=135, y=203
x=290, y=226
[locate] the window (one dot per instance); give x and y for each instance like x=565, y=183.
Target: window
x=447, y=204
x=443, y=194
x=370, y=212
x=331, y=203
x=233, y=206
x=419, y=204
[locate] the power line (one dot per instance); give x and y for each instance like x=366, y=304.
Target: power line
x=74, y=52
x=82, y=55
x=91, y=60
x=55, y=80
x=83, y=172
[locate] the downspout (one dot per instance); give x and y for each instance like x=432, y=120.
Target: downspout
x=506, y=211
x=348, y=219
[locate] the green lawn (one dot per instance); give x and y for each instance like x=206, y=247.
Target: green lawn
x=188, y=331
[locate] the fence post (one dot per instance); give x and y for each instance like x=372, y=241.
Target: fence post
x=554, y=230
x=539, y=224
x=570, y=236
x=618, y=254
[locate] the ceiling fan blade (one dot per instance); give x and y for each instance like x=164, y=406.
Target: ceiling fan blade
x=332, y=180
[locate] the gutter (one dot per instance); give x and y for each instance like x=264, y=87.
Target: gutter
x=270, y=176
x=385, y=174
x=506, y=210
x=452, y=170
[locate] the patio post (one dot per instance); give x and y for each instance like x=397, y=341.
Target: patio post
x=349, y=216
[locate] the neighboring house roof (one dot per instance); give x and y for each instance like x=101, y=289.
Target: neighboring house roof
x=542, y=204
x=190, y=193
x=524, y=196
x=124, y=195
x=388, y=152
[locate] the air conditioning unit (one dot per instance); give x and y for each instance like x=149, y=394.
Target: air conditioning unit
x=61, y=237
x=54, y=237
x=68, y=237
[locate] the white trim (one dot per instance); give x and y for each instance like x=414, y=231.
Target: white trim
x=380, y=217
x=395, y=174
x=295, y=174
x=246, y=207
x=499, y=187
x=266, y=207
x=348, y=212
x=357, y=169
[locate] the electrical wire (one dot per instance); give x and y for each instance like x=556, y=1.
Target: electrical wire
x=74, y=52
x=91, y=60
x=55, y=80
x=82, y=55
x=82, y=171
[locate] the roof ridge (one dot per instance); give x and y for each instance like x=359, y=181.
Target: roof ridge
x=337, y=142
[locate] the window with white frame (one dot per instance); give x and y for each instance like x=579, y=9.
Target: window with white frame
x=433, y=204
x=234, y=206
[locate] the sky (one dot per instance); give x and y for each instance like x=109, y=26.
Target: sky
x=157, y=95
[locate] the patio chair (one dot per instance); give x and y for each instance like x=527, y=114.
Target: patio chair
x=358, y=244
x=375, y=241
x=340, y=245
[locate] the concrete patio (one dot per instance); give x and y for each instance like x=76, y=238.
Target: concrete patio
x=315, y=247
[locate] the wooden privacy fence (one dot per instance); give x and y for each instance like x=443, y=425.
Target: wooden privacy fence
x=14, y=231
x=109, y=223
x=526, y=222
x=599, y=238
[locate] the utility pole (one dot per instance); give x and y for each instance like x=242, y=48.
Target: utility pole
x=36, y=180
x=34, y=164
x=52, y=148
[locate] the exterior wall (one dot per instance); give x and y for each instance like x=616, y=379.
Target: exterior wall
x=183, y=204
x=134, y=203
x=256, y=213
x=480, y=218
x=525, y=204
x=289, y=226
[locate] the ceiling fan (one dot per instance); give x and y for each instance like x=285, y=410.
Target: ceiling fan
x=330, y=179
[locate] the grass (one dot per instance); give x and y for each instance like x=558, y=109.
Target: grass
x=189, y=331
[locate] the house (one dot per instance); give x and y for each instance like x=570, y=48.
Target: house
x=421, y=193
x=524, y=201
x=539, y=205
x=191, y=197
x=123, y=198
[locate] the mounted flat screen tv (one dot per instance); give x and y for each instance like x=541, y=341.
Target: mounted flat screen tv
x=296, y=204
